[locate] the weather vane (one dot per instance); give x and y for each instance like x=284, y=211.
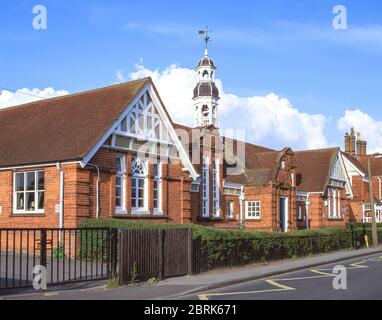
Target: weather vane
x=207, y=38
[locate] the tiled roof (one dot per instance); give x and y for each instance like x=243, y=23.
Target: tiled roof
x=375, y=163
x=313, y=168
x=64, y=128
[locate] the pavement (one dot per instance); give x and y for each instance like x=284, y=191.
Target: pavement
x=194, y=287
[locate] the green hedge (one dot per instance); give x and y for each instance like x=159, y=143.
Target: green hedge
x=360, y=225
x=216, y=248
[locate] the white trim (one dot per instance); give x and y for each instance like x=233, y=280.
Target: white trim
x=145, y=209
x=160, y=108
x=38, y=166
x=206, y=188
x=349, y=163
x=184, y=156
x=121, y=149
x=216, y=188
x=299, y=212
x=159, y=211
x=231, y=185
x=230, y=209
x=115, y=125
x=36, y=191
x=122, y=174
x=257, y=204
x=286, y=214
x=348, y=186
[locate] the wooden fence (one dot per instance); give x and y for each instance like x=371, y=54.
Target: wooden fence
x=154, y=253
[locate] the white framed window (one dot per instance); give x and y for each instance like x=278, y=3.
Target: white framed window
x=157, y=187
x=253, y=210
x=29, y=192
x=139, y=187
x=230, y=211
x=216, y=189
x=206, y=189
x=334, y=204
x=299, y=212
x=120, y=184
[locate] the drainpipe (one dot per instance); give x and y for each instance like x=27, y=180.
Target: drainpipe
x=380, y=188
x=61, y=214
x=307, y=212
x=97, y=188
x=242, y=198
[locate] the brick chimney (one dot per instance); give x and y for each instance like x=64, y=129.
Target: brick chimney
x=350, y=143
x=361, y=146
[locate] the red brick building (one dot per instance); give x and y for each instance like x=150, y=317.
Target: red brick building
x=116, y=153
x=323, y=189
x=357, y=166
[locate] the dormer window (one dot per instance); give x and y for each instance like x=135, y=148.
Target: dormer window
x=283, y=164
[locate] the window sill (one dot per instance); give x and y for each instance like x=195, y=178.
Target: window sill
x=26, y=214
x=210, y=219
x=253, y=219
x=143, y=217
x=336, y=219
x=140, y=213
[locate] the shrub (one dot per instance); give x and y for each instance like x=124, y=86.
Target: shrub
x=220, y=248
x=226, y=249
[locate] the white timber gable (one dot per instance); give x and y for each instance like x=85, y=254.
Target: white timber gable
x=145, y=127
x=338, y=177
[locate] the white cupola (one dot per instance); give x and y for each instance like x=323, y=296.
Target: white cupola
x=206, y=94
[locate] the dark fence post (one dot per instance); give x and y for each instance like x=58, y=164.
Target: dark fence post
x=190, y=251
x=114, y=252
x=353, y=241
x=160, y=254
x=122, y=267
x=43, y=248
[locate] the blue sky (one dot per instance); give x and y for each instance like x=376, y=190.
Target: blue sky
x=288, y=48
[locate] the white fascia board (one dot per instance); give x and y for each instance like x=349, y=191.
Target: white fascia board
x=348, y=163
x=51, y=164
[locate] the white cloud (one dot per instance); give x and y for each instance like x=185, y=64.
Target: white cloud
x=21, y=96
x=267, y=120
x=370, y=129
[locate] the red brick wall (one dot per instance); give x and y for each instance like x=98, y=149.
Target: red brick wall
x=361, y=196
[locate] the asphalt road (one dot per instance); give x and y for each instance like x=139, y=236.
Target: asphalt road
x=364, y=282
